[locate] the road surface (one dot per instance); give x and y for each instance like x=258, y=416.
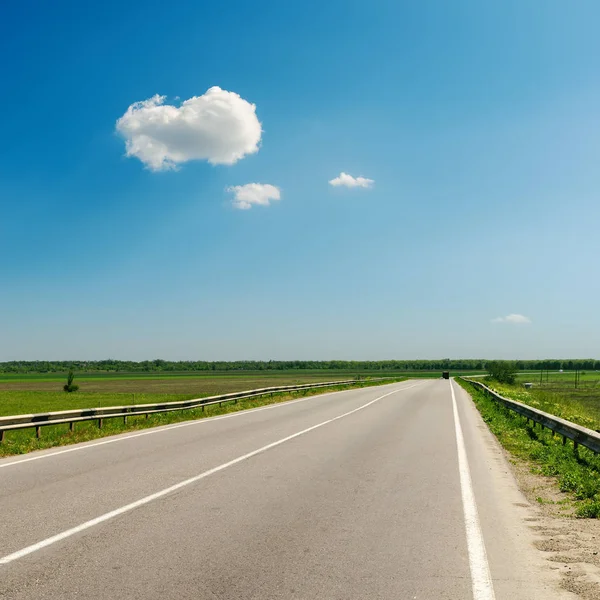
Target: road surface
x=387, y=492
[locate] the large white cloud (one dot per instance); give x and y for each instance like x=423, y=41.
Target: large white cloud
x=219, y=126
x=244, y=196
x=515, y=319
x=348, y=181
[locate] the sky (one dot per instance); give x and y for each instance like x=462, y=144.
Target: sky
x=299, y=180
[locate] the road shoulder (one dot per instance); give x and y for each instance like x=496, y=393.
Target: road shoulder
x=509, y=520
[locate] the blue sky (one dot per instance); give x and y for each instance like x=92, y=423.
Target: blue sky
x=479, y=124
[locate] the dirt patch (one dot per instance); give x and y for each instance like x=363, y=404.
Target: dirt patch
x=555, y=544
x=571, y=545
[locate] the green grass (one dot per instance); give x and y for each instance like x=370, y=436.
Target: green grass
x=22, y=441
x=28, y=402
x=183, y=387
x=114, y=376
x=576, y=471
x=579, y=405
x=566, y=378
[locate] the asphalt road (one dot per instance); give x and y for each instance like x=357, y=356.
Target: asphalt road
x=351, y=495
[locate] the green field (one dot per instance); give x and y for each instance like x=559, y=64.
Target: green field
x=33, y=393
x=557, y=394
x=561, y=379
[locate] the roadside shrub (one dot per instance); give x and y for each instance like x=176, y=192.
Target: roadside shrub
x=503, y=371
x=70, y=386
x=589, y=510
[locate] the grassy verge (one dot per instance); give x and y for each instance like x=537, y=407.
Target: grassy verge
x=576, y=471
x=23, y=441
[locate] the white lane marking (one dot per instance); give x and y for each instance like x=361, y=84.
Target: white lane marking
x=128, y=507
x=481, y=578
x=159, y=429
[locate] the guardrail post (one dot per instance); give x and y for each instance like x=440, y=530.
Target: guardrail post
x=1, y=435
x=99, y=423
x=564, y=439
x=38, y=432
x=72, y=426
x=575, y=445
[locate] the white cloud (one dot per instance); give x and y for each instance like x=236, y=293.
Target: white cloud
x=219, y=126
x=513, y=318
x=253, y=193
x=351, y=182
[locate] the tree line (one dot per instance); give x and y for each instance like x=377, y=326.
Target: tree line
x=159, y=365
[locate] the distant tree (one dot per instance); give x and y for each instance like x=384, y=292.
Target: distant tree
x=70, y=386
x=503, y=371
x=158, y=365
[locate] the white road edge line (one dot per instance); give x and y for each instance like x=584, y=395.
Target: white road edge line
x=129, y=507
x=159, y=429
x=481, y=577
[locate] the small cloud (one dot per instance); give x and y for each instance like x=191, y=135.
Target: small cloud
x=351, y=182
x=219, y=127
x=253, y=193
x=514, y=319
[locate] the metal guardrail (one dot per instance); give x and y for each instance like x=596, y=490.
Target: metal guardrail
x=110, y=412
x=579, y=434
